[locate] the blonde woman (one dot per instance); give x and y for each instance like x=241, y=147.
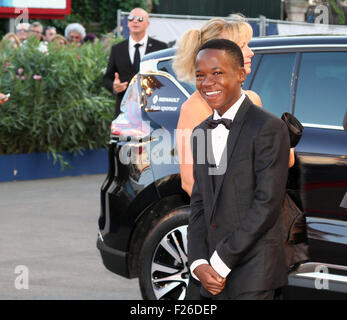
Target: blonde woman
x=10, y=39
x=60, y=40
x=196, y=109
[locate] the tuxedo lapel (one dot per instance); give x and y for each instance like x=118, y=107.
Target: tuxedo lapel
x=230, y=146
x=149, y=47
x=125, y=51
x=209, y=160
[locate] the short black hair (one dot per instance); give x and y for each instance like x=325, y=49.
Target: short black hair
x=229, y=46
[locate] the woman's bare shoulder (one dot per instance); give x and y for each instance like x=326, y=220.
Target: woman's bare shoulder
x=254, y=97
x=193, y=112
x=196, y=106
x=195, y=100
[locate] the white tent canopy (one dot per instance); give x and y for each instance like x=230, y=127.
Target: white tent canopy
x=170, y=28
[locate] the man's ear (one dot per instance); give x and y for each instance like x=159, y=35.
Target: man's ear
x=242, y=74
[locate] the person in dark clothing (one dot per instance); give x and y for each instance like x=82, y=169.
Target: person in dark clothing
x=125, y=56
x=235, y=231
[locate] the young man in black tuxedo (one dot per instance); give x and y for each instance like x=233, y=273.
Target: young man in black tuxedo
x=125, y=56
x=235, y=235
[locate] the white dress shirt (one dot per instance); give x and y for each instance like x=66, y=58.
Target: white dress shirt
x=219, y=137
x=142, y=49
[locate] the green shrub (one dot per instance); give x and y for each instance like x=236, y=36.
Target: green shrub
x=58, y=102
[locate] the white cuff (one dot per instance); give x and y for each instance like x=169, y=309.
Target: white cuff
x=219, y=266
x=194, y=265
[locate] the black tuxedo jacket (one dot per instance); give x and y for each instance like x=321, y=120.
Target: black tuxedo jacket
x=238, y=213
x=120, y=62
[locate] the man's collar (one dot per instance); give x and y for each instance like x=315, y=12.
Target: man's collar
x=231, y=112
x=143, y=41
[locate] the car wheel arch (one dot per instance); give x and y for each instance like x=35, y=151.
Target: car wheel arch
x=145, y=222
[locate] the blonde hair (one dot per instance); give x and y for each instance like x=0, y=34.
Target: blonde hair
x=237, y=30
x=59, y=37
x=7, y=37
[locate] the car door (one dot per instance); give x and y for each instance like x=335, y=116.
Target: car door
x=320, y=104
x=312, y=85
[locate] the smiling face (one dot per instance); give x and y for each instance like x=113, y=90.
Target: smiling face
x=219, y=78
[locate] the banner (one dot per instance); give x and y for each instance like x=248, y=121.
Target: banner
x=46, y=4
x=35, y=9
x=170, y=28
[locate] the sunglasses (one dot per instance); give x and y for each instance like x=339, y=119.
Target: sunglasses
x=138, y=18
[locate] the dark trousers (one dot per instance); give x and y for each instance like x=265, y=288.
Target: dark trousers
x=193, y=289
x=256, y=295
x=193, y=293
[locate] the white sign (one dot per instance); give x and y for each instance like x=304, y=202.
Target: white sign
x=39, y=4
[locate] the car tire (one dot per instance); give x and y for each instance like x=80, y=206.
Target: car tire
x=163, y=262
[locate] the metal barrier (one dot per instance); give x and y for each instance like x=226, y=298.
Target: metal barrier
x=175, y=25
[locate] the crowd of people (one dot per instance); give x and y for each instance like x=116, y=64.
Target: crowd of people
x=74, y=33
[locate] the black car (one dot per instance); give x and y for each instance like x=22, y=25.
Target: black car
x=144, y=211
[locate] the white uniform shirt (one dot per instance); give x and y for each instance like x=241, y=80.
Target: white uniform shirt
x=142, y=49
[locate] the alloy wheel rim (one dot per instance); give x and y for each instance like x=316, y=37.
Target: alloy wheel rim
x=169, y=268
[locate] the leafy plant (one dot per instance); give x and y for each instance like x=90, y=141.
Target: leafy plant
x=57, y=102
x=340, y=13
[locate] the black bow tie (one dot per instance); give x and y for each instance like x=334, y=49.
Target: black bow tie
x=211, y=124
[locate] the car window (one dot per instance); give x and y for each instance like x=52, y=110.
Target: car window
x=321, y=95
x=166, y=65
x=272, y=81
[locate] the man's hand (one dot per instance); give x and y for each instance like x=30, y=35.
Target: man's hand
x=210, y=279
x=2, y=101
x=117, y=85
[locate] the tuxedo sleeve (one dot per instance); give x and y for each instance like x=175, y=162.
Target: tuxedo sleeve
x=110, y=71
x=197, y=244
x=271, y=152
